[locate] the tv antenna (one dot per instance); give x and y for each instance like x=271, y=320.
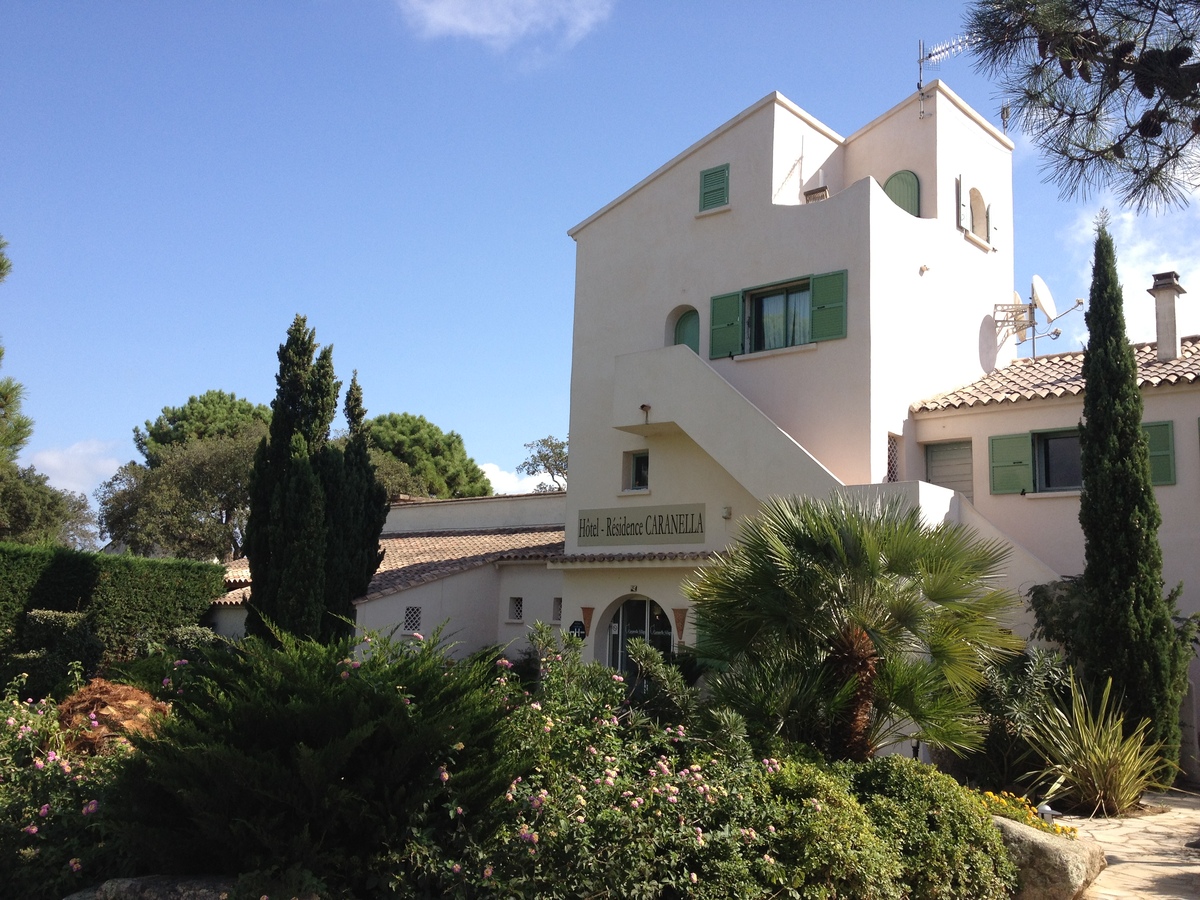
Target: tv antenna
x=936, y=54
x=1020, y=317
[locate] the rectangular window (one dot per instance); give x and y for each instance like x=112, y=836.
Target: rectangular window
x=412, y=618
x=1050, y=460
x=556, y=610
x=1059, y=467
x=785, y=314
x=635, y=474
x=714, y=188
x=516, y=609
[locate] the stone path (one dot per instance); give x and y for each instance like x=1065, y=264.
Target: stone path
x=1147, y=856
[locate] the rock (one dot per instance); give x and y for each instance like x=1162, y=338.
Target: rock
x=157, y=887
x=1051, y=867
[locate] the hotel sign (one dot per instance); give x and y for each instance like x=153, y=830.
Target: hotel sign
x=677, y=524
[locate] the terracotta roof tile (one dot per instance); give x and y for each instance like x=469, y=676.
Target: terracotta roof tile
x=1062, y=374
x=414, y=558
x=688, y=556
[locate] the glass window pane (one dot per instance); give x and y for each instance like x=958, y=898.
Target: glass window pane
x=1061, y=465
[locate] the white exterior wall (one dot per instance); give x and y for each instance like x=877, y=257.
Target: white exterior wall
x=537, y=587
x=477, y=512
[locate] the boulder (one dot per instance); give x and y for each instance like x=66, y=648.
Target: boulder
x=1051, y=867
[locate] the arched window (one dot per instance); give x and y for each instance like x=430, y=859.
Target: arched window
x=905, y=190
x=687, y=330
x=980, y=227
x=637, y=617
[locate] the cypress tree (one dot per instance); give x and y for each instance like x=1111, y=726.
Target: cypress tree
x=1126, y=627
x=356, y=507
x=286, y=529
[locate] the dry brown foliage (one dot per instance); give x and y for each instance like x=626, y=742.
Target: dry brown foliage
x=118, y=709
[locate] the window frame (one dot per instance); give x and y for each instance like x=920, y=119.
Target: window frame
x=733, y=318
x=631, y=471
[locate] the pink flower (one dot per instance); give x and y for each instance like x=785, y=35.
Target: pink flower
x=44, y=811
x=456, y=868
x=90, y=807
x=75, y=865
x=442, y=775
x=418, y=636
x=345, y=675
x=166, y=682
x=487, y=871
x=30, y=829
x=39, y=765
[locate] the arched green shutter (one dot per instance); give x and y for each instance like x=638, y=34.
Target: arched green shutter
x=905, y=190
x=687, y=330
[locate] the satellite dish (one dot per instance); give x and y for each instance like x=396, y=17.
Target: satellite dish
x=1021, y=323
x=1042, y=299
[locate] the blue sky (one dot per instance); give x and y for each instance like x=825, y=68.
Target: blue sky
x=177, y=180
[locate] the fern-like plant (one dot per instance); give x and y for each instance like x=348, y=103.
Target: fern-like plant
x=1089, y=760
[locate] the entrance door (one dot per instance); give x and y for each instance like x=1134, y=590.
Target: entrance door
x=638, y=617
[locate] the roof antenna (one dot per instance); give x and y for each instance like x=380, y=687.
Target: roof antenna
x=936, y=54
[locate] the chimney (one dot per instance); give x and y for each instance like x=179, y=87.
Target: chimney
x=1166, y=289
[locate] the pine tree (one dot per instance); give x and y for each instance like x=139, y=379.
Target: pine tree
x=1126, y=626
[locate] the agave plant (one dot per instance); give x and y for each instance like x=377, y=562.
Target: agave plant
x=1090, y=760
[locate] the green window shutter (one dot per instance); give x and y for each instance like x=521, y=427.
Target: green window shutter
x=714, y=187
x=687, y=330
x=725, y=336
x=1161, y=439
x=905, y=190
x=1011, y=457
x=829, y=306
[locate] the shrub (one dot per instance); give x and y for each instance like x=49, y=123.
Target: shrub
x=1089, y=762
x=53, y=803
x=314, y=759
x=949, y=846
x=618, y=804
x=60, y=639
x=1019, y=809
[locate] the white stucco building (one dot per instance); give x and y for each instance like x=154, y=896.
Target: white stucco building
x=783, y=310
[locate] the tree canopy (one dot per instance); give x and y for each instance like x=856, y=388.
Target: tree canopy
x=212, y=414
x=1127, y=629
x=192, y=503
x=15, y=427
x=547, y=456
x=316, y=510
x=1108, y=89
x=34, y=512
x=439, y=459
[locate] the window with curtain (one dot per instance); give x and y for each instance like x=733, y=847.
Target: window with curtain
x=781, y=317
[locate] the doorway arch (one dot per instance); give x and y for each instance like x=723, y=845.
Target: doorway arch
x=637, y=616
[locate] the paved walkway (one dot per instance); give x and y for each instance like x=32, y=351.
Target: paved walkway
x=1147, y=856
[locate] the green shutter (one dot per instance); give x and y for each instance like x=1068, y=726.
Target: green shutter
x=725, y=336
x=829, y=306
x=687, y=330
x=905, y=191
x=1161, y=439
x=714, y=187
x=1011, y=463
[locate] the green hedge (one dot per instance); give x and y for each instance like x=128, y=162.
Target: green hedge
x=127, y=600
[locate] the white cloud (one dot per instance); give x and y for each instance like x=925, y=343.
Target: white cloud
x=502, y=23
x=80, y=467
x=510, y=482
x=1146, y=244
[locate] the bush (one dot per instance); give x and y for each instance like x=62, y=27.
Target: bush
x=314, y=759
x=949, y=846
x=55, y=641
x=53, y=803
x=1019, y=809
x=1089, y=762
x=621, y=805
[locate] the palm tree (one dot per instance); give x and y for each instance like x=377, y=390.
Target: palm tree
x=850, y=624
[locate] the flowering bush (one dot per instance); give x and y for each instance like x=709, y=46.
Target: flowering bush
x=52, y=802
x=1019, y=809
x=615, y=804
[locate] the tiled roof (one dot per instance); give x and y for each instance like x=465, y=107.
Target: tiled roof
x=1062, y=375
x=688, y=556
x=415, y=558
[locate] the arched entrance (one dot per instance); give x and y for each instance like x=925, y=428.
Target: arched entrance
x=637, y=617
